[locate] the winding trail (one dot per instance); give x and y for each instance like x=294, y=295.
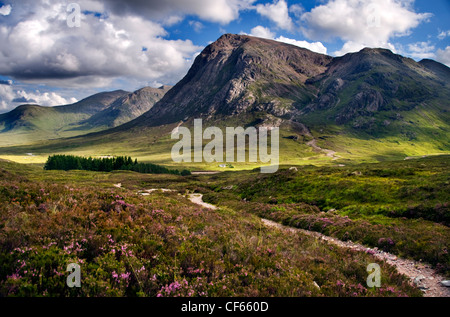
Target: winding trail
x=313, y=143
x=329, y=153
x=420, y=274
x=198, y=199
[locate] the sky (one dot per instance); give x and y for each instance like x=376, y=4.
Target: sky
x=55, y=52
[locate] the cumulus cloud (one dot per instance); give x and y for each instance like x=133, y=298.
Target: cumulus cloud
x=349, y=47
x=263, y=32
x=317, y=47
x=48, y=99
x=95, y=53
x=362, y=23
x=277, y=12
x=6, y=96
x=119, y=43
x=5, y=9
x=443, y=56
x=11, y=97
x=421, y=50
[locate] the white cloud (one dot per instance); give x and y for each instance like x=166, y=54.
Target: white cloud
x=263, y=32
x=5, y=10
x=48, y=99
x=362, y=23
x=297, y=10
x=174, y=19
x=196, y=25
x=6, y=96
x=421, y=50
x=317, y=47
x=443, y=56
x=349, y=47
x=277, y=12
x=260, y=31
x=10, y=97
x=442, y=35
x=94, y=54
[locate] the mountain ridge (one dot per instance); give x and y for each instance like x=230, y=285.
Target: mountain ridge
x=94, y=113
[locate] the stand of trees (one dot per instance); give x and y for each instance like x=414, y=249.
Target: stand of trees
x=126, y=163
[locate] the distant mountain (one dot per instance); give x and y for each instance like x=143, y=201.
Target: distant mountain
x=93, y=104
x=28, y=123
x=441, y=71
x=362, y=88
x=128, y=107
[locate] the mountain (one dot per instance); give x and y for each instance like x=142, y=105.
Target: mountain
x=128, y=107
x=373, y=82
x=28, y=123
x=240, y=74
x=367, y=106
x=370, y=104
x=93, y=104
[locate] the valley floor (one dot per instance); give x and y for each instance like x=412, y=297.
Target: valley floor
x=131, y=241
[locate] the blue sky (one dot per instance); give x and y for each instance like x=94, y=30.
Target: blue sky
x=131, y=44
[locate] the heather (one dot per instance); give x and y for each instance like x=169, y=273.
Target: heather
x=399, y=207
x=159, y=245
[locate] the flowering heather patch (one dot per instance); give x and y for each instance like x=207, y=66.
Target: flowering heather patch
x=401, y=207
x=162, y=245
x=419, y=240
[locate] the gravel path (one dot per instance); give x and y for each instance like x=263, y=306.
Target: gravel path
x=420, y=274
x=198, y=199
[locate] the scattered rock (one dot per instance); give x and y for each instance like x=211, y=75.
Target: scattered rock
x=418, y=280
x=147, y=192
x=293, y=169
x=316, y=285
x=445, y=283
x=118, y=185
x=228, y=187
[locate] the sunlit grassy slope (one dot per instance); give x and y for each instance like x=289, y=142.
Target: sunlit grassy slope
x=155, y=144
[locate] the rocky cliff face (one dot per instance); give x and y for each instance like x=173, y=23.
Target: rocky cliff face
x=372, y=81
x=239, y=74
